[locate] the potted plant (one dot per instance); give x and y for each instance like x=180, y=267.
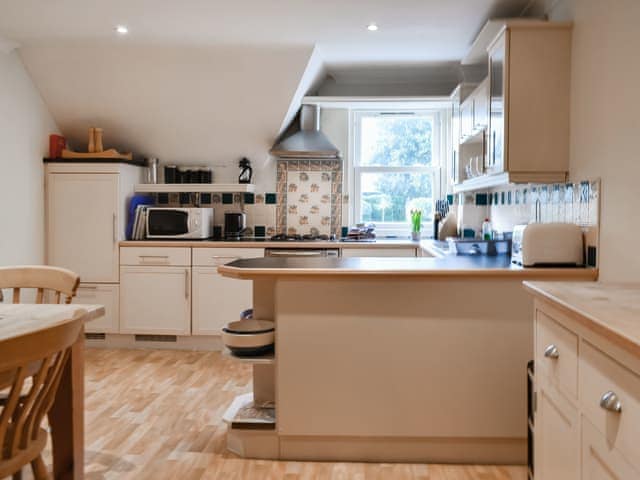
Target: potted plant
x=416, y=224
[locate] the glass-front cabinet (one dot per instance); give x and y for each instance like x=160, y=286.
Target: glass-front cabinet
x=497, y=112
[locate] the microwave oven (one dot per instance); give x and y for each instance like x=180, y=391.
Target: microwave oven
x=179, y=223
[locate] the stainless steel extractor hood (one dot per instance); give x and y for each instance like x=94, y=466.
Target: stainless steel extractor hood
x=309, y=142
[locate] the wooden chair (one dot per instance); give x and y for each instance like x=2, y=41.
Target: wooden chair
x=22, y=439
x=58, y=280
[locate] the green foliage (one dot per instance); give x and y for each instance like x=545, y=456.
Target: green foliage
x=400, y=142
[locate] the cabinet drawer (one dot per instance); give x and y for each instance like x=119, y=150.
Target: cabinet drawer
x=155, y=256
x=100, y=294
x=212, y=257
x=600, y=374
x=557, y=354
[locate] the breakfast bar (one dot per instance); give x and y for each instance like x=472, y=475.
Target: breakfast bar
x=390, y=359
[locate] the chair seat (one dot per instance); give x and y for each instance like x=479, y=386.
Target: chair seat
x=24, y=457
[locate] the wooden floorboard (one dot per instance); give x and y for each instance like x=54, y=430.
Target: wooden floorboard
x=156, y=415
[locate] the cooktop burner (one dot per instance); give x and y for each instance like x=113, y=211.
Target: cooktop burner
x=281, y=237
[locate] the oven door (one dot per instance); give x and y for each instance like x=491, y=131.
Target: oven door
x=167, y=223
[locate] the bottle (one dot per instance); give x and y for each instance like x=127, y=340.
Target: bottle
x=486, y=230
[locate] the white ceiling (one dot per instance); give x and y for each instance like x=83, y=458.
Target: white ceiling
x=410, y=30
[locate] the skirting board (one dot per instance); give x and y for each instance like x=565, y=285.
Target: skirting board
x=479, y=451
x=208, y=343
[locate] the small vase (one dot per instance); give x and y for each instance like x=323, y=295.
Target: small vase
x=415, y=236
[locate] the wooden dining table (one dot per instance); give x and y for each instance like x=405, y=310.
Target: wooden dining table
x=66, y=417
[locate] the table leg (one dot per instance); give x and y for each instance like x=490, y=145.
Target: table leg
x=66, y=417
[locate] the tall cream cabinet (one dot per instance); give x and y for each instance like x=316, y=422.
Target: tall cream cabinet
x=529, y=82
x=217, y=300
x=587, y=361
x=85, y=220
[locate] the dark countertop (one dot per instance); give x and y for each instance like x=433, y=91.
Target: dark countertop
x=449, y=266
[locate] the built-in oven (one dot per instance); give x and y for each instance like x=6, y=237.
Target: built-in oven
x=302, y=252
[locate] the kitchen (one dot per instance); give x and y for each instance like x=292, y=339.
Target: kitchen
x=411, y=351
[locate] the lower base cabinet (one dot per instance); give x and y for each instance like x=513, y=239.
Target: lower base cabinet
x=100, y=294
x=557, y=437
x=155, y=300
x=599, y=460
x=217, y=300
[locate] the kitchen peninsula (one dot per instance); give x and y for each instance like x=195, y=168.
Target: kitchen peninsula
x=430, y=367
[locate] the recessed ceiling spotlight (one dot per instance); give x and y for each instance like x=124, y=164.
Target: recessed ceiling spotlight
x=372, y=27
x=121, y=29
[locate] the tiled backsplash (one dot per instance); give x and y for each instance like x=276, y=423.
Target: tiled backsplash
x=309, y=197
x=309, y=200
x=511, y=205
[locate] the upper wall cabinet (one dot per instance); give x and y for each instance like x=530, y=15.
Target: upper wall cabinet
x=527, y=136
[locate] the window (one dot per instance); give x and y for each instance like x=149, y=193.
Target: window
x=395, y=167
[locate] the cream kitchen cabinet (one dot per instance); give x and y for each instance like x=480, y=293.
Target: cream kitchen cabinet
x=85, y=217
x=155, y=300
x=529, y=80
x=587, y=356
x=155, y=290
x=82, y=224
x=101, y=294
x=218, y=300
x=557, y=436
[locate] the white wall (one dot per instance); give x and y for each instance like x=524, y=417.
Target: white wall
x=188, y=105
x=25, y=125
x=605, y=122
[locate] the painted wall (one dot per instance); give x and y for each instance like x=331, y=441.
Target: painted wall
x=605, y=121
x=25, y=125
x=206, y=105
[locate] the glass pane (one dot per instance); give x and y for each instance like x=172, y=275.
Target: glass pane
x=389, y=197
x=395, y=141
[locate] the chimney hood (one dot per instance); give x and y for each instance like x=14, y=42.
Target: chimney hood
x=309, y=141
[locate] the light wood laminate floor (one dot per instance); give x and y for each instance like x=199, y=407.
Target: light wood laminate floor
x=154, y=414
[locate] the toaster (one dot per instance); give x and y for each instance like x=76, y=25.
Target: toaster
x=546, y=244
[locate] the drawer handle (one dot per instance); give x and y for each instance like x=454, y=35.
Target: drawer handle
x=551, y=352
x=611, y=402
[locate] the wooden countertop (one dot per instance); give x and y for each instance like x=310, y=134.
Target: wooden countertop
x=22, y=319
x=269, y=244
x=612, y=310
x=449, y=266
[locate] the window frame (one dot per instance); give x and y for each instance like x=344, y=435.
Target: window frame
x=355, y=171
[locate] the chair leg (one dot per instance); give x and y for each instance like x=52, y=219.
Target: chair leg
x=17, y=475
x=39, y=469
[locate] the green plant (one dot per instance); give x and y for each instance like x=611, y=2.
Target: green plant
x=416, y=219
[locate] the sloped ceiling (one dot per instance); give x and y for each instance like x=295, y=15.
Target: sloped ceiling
x=188, y=105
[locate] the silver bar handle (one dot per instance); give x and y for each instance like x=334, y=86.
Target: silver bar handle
x=87, y=287
x=186, y=283
x=114, y=227
x=551, y=352
x=610, y=402
x=290, y=253
x=154, y=259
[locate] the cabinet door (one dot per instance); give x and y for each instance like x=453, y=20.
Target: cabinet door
x=217, y=300
x=466, y=118
x=481, y=106
x=557, y=436
x=82, y=217
x=496, y=160
x=155, y=300
x=100, y=294
x=600, y=461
